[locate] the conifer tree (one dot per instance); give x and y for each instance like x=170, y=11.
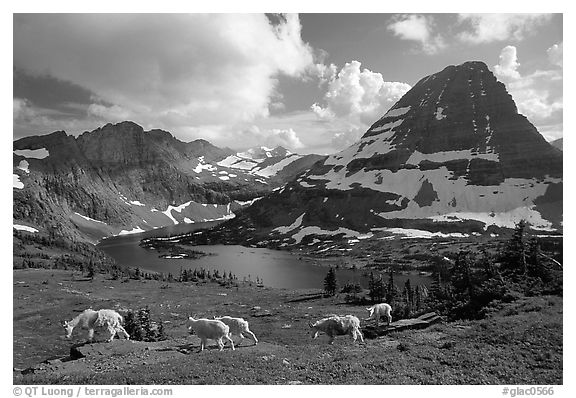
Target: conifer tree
x=514, y=255
x=390, y=288
x=330, y=282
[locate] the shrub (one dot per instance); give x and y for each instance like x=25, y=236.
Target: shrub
x=141, y=327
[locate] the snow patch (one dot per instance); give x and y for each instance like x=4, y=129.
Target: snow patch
x=387, y=126
x=23, y=165
x=179, y=209
x=272, y=170
x=439, y=115
x=409, y=233
x=396, y=112
x=292, y=226
x=136, y=203
x=89, y=219
x=16, y=183
x=134, y=230
x=506, y=219
x=248, y=202
x=440, y=157
x=19, y=227
x=33, y=153
x=313, y=230
x=203, y=166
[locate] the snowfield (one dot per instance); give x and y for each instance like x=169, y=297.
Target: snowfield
x=16, y=183
x=33, y=153
x=23, y=165
x=507, y=219
x=19, y=227
x=313, y=230
x=89, y=219
x=134, y=230
x=292, y=226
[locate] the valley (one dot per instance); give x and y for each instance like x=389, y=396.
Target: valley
x=451, y=202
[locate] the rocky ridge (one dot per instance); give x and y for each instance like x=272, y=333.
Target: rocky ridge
x=120, y=179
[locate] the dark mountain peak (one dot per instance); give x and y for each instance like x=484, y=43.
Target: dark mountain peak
x=55, y=139
x=162, y=135
x=463, y=110
x=122, y=127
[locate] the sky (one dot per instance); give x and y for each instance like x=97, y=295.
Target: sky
x=311, y=82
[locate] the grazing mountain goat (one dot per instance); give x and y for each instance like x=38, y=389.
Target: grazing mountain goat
x=237, y=327
x=336, y=325
x=378, y=310
x=210, y=329
x=90, y=320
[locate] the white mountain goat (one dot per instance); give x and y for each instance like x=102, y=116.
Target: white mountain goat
x=210, y=329
x=90, y=320
x=379, y=310
x=336, y=325
x=237, y=327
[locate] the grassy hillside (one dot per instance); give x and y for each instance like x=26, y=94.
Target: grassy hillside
x=517, y=343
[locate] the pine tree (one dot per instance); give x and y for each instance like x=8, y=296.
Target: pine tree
x=514, y=255
x=409, y=293
x=330, y=283
x=461, y=278
x=390, y=288
x=371, y=287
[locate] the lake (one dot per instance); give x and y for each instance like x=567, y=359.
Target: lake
x=276, y=268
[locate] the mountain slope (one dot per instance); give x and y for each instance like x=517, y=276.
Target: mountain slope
x=119, y=179
x=452, y=153
x=558, y=143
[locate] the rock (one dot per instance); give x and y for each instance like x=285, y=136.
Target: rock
x=423, y=321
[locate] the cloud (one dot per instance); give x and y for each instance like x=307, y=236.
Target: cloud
x=180, y=72
x=359, y=95
x=538, y=94
x=555, y=54
x=254, y=135
x=486, y=28
x=507, y=68
x=418, y=28
x=29, y=119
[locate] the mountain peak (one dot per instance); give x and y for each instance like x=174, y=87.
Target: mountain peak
x=453, y=146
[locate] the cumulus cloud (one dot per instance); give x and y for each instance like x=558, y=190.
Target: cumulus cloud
x=538, y=95
x=418, y=28
x=507, y=68
x=555, y=54
x=254, y=135
x=486, y=28
x=360, y=95
x=179, y=72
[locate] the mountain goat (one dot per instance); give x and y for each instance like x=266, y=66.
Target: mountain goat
x=210, y=329
x=378, y=310
x=336, y=325
x=90, y=320
x=237, y=327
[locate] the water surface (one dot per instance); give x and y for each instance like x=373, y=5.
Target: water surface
x=276, y=268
